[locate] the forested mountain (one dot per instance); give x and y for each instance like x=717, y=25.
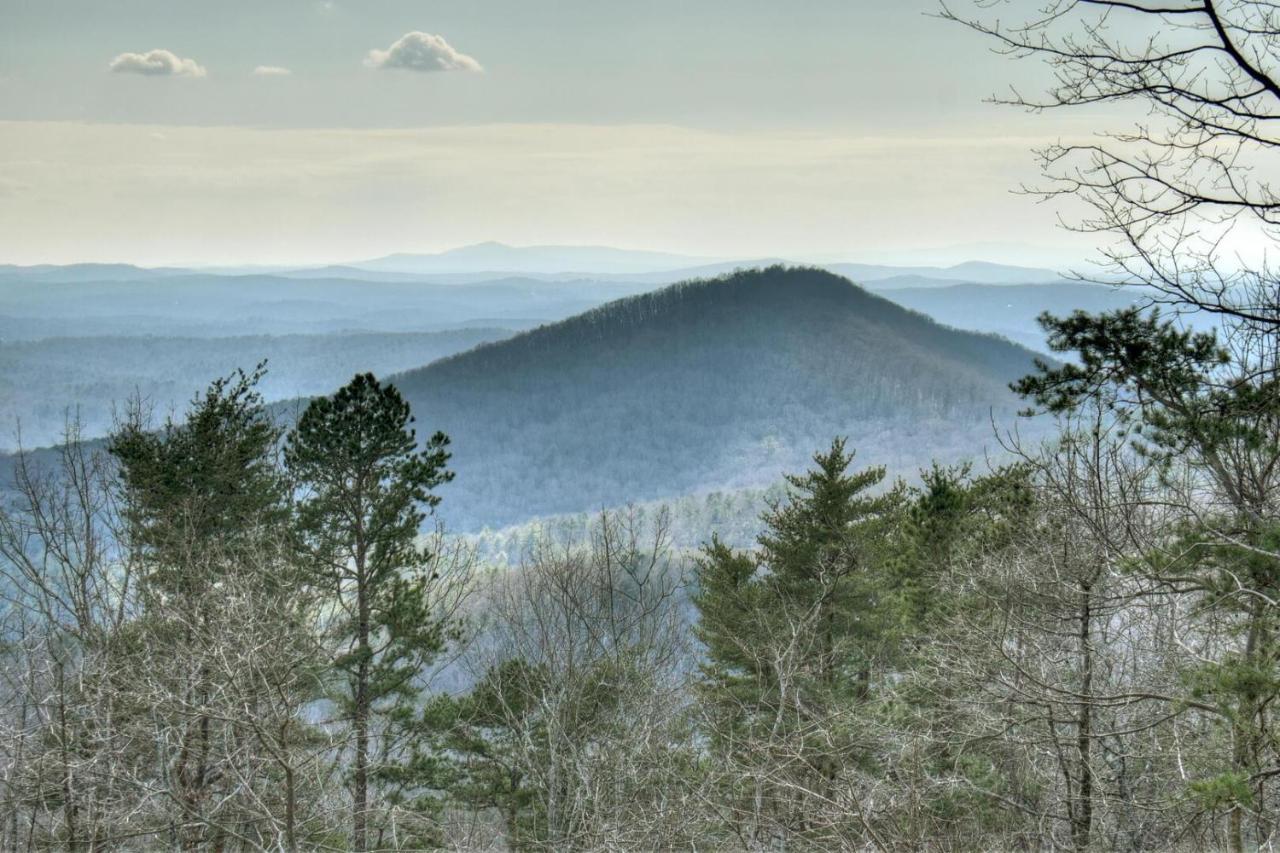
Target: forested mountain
x=191, y=305
x=708, y=384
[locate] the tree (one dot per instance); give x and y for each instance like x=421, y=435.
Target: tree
x=367, y=488
x=574, y=731
x=206, y=510
x=1208, y=416
x=207, y=483
x=1187, y=185
x=67, y=588
x=794, y=635
x=1185, y=199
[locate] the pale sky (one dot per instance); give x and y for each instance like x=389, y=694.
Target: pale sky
x=294, y=131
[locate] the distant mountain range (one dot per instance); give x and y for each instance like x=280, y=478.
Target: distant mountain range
x=489, y=257
x=1012, y=310
x=206, y=305
x=487, y=261
x=721, y=383
x=42, y=381
x=806, y=354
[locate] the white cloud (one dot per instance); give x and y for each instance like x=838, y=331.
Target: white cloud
x=419, y=51
x=156, y=63
x=271, y=71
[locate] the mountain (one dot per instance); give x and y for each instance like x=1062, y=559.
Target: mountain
x=499, y=257
x=490, y=261
x=42, y=380
x=205, y=305
x=655, y=267
x=881, y=276
x=1011, y=310
x=71, y=273
x=713, y=384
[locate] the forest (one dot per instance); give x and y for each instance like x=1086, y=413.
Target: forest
x=724, y=383
x=226, y=634
x=664, y=574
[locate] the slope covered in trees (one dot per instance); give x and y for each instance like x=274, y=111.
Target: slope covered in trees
x=707, y=384
x=42, y=380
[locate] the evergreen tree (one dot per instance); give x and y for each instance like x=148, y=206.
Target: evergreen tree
x=201, y=492
x=366, y=491
x=1207, y=411
x=206, y=514
x=794, y=631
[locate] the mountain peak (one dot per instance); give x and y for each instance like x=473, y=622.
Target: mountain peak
x=494, y=257
x=716, y=383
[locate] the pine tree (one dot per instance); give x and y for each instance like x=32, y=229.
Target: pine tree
x=793, y=631
x=200, y=492
x=206, y=510
x=366, y=491
x=1192, y=399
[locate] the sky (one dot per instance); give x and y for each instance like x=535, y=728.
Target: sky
x=301, y=131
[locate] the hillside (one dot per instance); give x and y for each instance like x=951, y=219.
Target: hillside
x=219, y=306
x=1011, y=310
x=41, y=381
x=710, y=384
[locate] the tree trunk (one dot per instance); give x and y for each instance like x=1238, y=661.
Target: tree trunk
x=360, y=807
x=1082, y=827
x=290, y=811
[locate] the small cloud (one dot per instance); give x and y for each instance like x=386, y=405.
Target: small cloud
x=156, y=63
x=327, y=7
x=418, y=51
x=271, y=71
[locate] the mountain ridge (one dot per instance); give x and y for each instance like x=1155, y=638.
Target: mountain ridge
x=721, y=383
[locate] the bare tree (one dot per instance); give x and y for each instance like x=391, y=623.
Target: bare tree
x=67, y=588
x=579, y=699
x=1181, y=189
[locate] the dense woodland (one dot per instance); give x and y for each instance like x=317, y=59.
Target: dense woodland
x=718, y=384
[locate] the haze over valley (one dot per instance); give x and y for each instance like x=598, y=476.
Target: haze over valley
x=86, y=338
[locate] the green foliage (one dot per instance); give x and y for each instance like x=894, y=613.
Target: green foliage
x=795, y=632
x=204, y=492
x=1224, y=790
x=817, y=565
x=478, y=734
x=951, y=518
x=366, y=491
x=1178, y=388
